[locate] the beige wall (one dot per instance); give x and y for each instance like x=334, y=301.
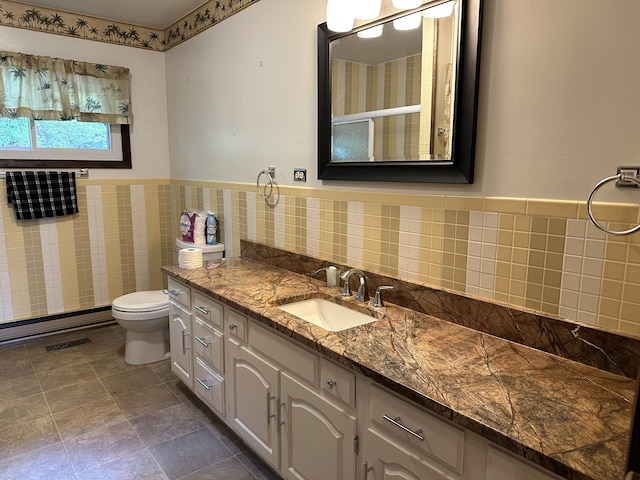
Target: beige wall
x=557, y=105
x=149, y=143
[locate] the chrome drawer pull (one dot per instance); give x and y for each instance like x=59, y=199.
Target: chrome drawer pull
x=367, y=469
x=269, y=414
x=175, y=293
x=201, y=341
x=202, y=310
x=396, y=422
x=203, y=383
x=232, y=326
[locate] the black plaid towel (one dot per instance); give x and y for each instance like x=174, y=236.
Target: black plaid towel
x=42, y=194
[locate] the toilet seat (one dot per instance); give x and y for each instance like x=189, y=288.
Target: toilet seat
x=155, y=301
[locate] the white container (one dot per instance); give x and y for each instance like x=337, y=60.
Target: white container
x=209, y=252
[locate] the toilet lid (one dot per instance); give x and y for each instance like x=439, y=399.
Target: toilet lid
x=142, y=301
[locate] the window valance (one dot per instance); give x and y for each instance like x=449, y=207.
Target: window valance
x=47, y=88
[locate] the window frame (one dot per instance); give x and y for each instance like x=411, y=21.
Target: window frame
x=30, y=164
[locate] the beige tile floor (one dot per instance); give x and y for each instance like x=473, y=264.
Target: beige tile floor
x=82, y=413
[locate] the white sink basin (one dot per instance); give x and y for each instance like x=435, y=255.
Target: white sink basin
x=327, y=314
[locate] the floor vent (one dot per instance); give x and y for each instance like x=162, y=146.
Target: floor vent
x=60, y=346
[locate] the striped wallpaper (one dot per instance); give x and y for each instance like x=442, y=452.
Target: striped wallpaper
x=538, y=254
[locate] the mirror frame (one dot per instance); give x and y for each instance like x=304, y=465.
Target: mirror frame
x=460, y=168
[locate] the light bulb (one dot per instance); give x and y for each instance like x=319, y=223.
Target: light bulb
x=372, y=32
x=406, y=4
x=340, y=15
x=439, y=11
x=408, y=22
x=366, y=9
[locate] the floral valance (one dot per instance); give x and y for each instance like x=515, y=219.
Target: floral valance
x=47, y=88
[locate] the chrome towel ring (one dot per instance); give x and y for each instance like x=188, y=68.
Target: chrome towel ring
x=624, y=178
x=269, y=173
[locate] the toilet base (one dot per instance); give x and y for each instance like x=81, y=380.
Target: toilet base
x=145, y=347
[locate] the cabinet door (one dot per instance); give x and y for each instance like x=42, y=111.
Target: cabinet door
x=252, y=400
x=387, y=459
x=179, y=336
x=317, y=435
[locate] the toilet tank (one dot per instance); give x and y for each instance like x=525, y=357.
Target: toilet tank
x=209, y=252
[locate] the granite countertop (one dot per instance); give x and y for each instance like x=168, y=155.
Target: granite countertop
x=568, y=417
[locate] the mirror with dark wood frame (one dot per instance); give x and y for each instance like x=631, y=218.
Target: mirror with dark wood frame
x=445, y=153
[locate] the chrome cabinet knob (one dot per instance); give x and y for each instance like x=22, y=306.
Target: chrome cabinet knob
x=331, y=384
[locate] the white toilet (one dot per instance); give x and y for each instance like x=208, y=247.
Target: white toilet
x=145, y=315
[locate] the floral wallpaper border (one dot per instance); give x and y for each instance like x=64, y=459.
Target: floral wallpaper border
x=30, y=17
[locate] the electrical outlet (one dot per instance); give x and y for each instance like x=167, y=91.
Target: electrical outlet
x=299, y=174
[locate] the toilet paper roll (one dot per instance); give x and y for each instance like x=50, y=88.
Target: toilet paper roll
x=190, y=258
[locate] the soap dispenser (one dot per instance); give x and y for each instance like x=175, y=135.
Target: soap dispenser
x=333, y=277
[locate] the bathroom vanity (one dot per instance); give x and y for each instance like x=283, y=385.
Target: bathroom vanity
x=408, y=396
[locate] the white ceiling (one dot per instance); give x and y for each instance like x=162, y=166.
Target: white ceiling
x=157, y=14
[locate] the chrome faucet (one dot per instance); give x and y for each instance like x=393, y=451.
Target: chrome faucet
x=363, y=294
x=377, y=300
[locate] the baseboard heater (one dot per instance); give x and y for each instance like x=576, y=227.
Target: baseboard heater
x=38, y=327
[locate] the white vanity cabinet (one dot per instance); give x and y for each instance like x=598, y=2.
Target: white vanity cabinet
x=318, y=437
x=275, y=404
x=252, y=402
x=404, y=442
x=208, y=352
x=180, y=331
x=312, y=419
x=197, y=345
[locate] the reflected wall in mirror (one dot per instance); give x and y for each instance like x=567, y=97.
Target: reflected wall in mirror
x=391, y=94
x=400, y=106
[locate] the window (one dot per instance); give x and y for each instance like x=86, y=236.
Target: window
x=26, y=143
x=56, y=92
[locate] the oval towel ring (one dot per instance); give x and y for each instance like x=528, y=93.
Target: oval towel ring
x=269, y=184
x=618, y=177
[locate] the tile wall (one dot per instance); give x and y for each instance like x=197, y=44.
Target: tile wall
x=115, y=245
x=543, y=255
x=538, y=254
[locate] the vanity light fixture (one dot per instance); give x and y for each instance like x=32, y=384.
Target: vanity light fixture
x=340, y=17
x=341, y=14
x=439, y=11
x=366, y=9
x=372, y=32
x=409, y=22
x=406, y=4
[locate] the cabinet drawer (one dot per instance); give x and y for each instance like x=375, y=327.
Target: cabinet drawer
x=338, y=383
x=207, y=343
x=209, y=386
x=236, y=325
x=179, y=293
x=431, y=435
x=297, y=360
x=501, y=465
x=207, y=309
